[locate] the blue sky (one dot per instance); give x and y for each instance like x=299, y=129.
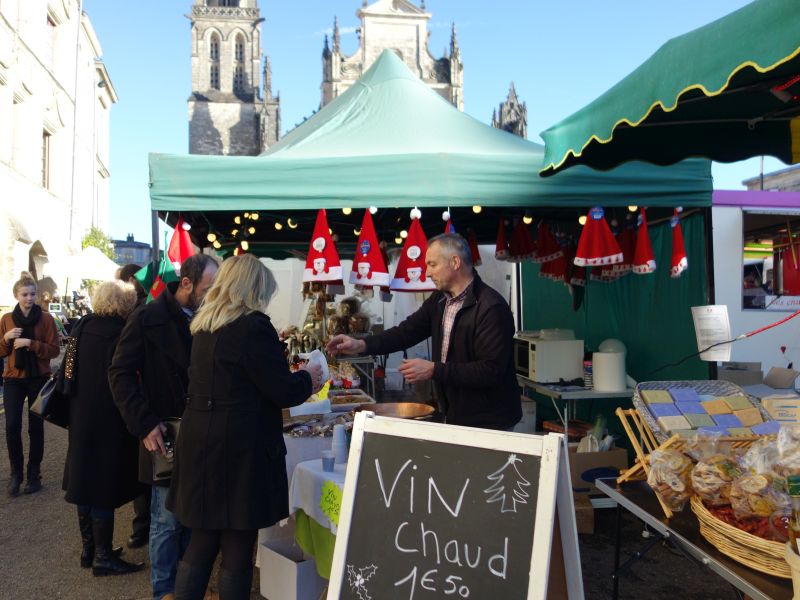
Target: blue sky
x=560, y=55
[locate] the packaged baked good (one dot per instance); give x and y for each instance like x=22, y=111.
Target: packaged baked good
x=712, y=477
x=670, y=477
x=753, y=495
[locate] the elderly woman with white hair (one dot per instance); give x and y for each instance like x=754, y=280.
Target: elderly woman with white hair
x=101, y=468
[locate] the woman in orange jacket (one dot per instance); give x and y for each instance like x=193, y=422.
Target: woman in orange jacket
x=28, y=337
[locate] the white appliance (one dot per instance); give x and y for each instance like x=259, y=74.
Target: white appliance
x=548, y=361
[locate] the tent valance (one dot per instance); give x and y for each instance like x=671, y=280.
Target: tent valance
x=726, y=91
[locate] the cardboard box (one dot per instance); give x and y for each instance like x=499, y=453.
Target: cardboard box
x=585, y=467
x=784, y=410
x=741, y=373
x=584, y=514
x=288, y=574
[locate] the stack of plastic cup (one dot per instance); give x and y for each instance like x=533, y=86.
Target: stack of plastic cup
x=339, y=445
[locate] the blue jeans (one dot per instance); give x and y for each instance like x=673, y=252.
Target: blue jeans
x=168, y=541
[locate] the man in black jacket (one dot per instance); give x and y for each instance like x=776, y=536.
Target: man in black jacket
x=472, y=331
x=149, y=380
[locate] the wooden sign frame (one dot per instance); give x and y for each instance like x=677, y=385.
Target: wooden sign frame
x=554, y=491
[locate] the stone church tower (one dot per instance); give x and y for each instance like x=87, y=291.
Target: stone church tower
x=512, y=116
x=400, y=26
x=228, y=114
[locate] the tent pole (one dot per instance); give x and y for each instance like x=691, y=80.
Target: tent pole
x=708, y=240
x=155, y=252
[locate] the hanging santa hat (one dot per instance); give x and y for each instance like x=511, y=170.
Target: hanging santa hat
x=522, y=246
x=448, y=222
x=597, y=245
x=627, y=242
x=472, y=240
x=501, y=247
x=578, y=276
x=322, y=263
x=410, y=273
x=547, y=249
x=180, y=245
x=679, y=262
x=644, y=260
x=369, y=269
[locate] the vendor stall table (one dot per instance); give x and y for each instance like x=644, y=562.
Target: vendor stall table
x=315, y=532
x=569, y=395
x=365, y=365
x=683, y=532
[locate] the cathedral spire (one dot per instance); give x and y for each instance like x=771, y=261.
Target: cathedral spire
x=335, y=34
x=267, y=77
x=326, y=50
x=454, y=51
x=422, y=5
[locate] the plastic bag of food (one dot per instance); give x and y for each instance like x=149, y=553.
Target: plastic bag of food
x=670, y=477
x=712, y=477
x=753, y=495
x=788, y=444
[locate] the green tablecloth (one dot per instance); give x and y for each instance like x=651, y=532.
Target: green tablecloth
x=315, y=540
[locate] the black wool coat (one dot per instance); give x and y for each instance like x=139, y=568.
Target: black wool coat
x=230, y=466
x=149, y=372
x=477, y=384
x=101, y=465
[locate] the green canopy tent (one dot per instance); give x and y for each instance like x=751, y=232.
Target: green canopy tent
x=726, y=91
x=390, y=141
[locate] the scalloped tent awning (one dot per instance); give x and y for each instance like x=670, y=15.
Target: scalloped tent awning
x=726, y=91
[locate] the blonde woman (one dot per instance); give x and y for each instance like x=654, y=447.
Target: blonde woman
x=29, y=338
x=101, y=470
x=229, y=477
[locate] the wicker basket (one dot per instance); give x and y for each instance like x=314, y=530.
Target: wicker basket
x=750, y=550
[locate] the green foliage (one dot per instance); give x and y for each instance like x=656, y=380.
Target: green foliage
x=96, y=237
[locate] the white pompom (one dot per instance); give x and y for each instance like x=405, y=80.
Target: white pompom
x=186, y=226
x=416, y=213
x=373, y=210
x=446, y=215
x=679, y=209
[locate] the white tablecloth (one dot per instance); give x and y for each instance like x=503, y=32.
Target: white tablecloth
x=305, y=489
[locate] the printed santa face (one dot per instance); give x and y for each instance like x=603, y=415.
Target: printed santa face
x=369, y=268
x=322, y=263
x=363, y=270
x=319, y=266
x=410, y=273
x=414, y=273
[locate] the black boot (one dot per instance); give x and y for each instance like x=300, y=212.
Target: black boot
x=106, y=561
x=34, y=482
x=87, y=539
x=191, y=581
x=14, y=483
x=235, y=585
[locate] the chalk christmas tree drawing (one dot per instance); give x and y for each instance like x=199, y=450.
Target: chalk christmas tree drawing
x=508, y=491
x=358, y=580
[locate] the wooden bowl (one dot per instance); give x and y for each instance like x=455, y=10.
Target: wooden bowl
x=399, y=410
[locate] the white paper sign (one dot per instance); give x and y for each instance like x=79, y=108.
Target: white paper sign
x=712, y=326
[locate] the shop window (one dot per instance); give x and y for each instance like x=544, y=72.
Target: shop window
x=771, y=265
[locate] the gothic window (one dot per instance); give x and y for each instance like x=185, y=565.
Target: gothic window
x=45, y=159
x=213, y=52
x=239, y=48
x=238, y=78
x=214, y=77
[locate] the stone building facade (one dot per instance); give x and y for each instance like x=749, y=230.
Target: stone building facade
x=228, y=114
x=512, y=115
x=401, y=26
x=55, y=102
x=785, y=180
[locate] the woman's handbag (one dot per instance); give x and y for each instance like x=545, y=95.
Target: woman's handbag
x=51, y=404
x=162, y=463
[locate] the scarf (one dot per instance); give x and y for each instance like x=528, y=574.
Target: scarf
x=24, y=359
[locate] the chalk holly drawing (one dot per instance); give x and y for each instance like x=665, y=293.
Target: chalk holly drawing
x=499, y=489
x=358, y=581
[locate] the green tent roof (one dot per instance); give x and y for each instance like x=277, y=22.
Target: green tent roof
x=392, y=141
x=726, y=91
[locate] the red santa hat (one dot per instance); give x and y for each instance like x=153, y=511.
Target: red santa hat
x=180, y=245
x=410, y=273
x=597, y=245
x=522, y=246
x=501, y=247
x=322, y=263
x=369, y=269
x=644, y=260
x=578, y=276
x=627, y=242
x=679, y=262
x=547, y=249
x=472, y=240
x=448, y=222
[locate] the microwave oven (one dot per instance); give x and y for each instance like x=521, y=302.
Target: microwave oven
x=548, y=361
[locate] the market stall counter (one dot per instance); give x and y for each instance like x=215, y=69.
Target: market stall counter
x=683, y=532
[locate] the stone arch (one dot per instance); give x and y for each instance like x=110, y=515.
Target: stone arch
x=37, y=259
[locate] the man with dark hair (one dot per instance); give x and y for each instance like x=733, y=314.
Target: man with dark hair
x=126, y=274
x=472, y=330
x=149, y=380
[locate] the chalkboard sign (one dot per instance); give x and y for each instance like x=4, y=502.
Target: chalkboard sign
x=439, y=511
